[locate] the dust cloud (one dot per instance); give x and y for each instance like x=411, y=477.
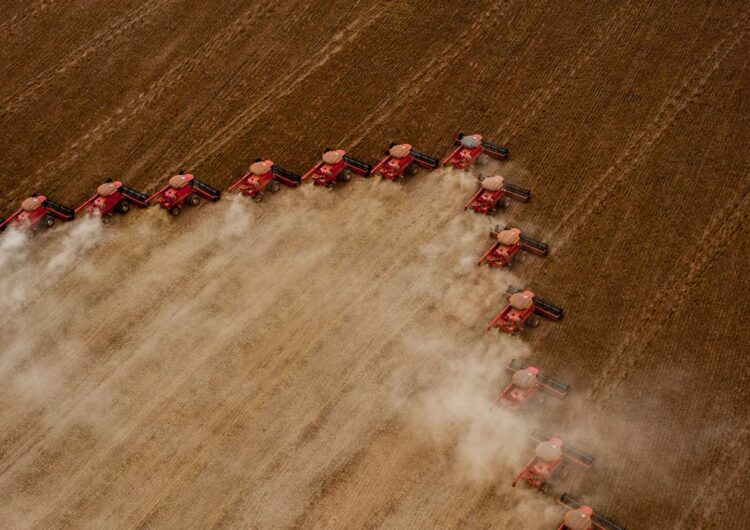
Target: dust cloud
x=139, y=339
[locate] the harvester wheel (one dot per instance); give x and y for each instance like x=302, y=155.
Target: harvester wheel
x=174, y=211
x=274, y=186
x=521, y=256
x=106, y=219
x=505, y=202
x=123, y=207
x=482, y=160
x=534, y=321
x=412, y=169
x=48, y=221
x=193, y=200
x=258, y=197
x=329, y=186
x=345, y=176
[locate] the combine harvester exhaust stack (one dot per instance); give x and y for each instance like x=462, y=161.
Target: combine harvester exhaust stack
x=183, y=189
x=336, y=166
x=473, y=149
x=402, y=159
x=112, y=197
x=38, y=212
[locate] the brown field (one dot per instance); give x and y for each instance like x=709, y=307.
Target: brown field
x=319, y=360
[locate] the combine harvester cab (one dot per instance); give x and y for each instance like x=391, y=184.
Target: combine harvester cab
x=473, y=149
x=183, y=189
x=264, y=176
x=336, y=166
x=550, y=456
x=526, y=382
x=582, y=517
x=402, y=159
x=494, y=193
x=511, y=246
x=524, y=309
x=112, y=197
x=38, y=212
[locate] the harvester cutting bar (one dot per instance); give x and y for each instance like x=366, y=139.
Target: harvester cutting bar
x=569, y=452
x=430, y=162
x=543, y=307
x=286, y=177
x=361, y=168
x=495, y=150
x=517, y=192
x=534, y=246
x=548, y=310
x=207, y=191
x=134, y=196
x=551, y=383
x=554, y=385
x=601, y=521
x=63, y=212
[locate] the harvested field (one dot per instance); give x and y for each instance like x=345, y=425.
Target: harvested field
x=320, y=359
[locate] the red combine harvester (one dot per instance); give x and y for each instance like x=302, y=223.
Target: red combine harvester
x=523, y=309
x=183, y=189
x=582, y=517
x=525, y=383
x=112, y=197
x=549, y=457
x=402, y=159
x=494, y=193
x=473, y=149
x=38, y=212
x=264, y=176
x=336, y=166
x=511, y=246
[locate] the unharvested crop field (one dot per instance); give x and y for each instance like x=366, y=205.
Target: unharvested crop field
x=320, y=359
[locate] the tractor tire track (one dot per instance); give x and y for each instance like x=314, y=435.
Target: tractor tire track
x=565, y=73
x=640, y=146
x=125, y=114
x=290, y=83
x=624, y=359
x=32, y=10
x=431, y=71
x=101, y=39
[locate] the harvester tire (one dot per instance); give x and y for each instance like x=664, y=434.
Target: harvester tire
x=482, y=160
x=274, y=186
x=412, y=169
x=174, y=211
x=193, y=200
x=123, y=207
x=106, y=219
x=345, y=176
x=48, y=221
x=521, y=257
x=505, y=202
x=534, y=321
x=258, y=198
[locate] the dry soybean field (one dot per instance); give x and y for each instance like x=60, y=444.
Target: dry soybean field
x=320, y=359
